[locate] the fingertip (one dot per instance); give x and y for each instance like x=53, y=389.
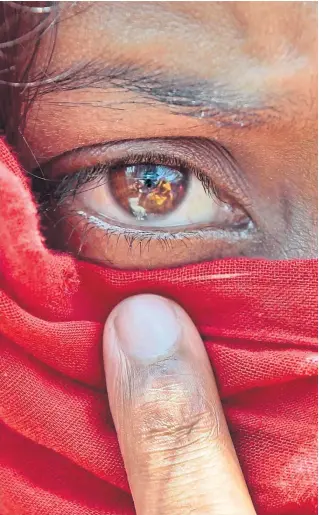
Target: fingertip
x=144, y=327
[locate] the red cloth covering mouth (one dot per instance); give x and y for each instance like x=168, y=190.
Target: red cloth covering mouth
x=58, y=449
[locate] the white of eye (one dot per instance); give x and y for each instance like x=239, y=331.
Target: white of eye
x=197, y=208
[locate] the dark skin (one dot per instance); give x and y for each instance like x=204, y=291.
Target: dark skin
x=208, y=77
x=230, y=89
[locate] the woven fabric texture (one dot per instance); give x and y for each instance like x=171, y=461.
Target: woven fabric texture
x=59, y=453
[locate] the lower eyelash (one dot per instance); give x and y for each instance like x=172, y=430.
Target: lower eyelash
x=134, y=234
x=144, y=238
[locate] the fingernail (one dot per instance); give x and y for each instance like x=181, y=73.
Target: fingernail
x=146, y=327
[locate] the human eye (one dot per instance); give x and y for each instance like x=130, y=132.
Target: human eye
x=146, y=204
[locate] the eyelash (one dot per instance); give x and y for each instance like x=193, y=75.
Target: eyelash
x=53, y=193
x=57, y=191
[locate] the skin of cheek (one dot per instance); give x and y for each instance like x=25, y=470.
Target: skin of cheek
x=272, y=159
x=279, y=165
x=94, y=244
x=281, y=173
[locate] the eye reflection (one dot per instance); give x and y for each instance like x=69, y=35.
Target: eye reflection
x=144, y=197
x=141, y=208
x=147, y=191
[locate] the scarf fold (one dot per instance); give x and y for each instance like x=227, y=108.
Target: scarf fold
x=59, y=453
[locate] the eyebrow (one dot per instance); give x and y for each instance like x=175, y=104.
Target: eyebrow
x=188, y=96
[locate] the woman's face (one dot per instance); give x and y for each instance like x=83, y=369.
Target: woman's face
x=178, y=132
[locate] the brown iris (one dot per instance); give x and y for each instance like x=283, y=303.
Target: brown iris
x=148, y=191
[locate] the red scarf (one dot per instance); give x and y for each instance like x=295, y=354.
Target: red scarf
x=58, y=448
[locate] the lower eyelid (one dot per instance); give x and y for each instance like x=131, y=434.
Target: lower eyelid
x=142, y=233
x=94, y=239
x=154, y=232
x=90, y=237
x=90, y=230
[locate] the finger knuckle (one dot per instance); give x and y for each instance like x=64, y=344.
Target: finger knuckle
x=176, y=413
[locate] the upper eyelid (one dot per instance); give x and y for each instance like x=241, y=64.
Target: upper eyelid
x=203, y=154
x=186, y=149
x=88, y=175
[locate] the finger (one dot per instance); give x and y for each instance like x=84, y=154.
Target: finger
x=175, y=443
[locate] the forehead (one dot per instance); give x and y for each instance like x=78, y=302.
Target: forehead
x=258, y=49
x=262, y=53
x=204, y=35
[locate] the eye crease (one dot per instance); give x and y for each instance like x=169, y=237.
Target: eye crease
x=145, y=209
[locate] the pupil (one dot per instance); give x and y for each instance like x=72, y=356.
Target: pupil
x=148, y=191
